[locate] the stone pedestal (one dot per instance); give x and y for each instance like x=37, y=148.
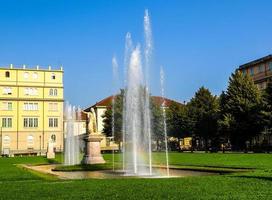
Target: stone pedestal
x=93, y=152
x=50, y=154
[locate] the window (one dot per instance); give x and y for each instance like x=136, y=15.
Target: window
x=6, y=139
x=53, y=122
x=261, y=68
x=7, y=106
x=30, y=139
x=26, y=75
x=30, y=106
x=53, y=106
x=31, y=122
x=7, y=90
x=35, y=75
x=35, y=122
x=53, y=76
x=251, y=71
x=50, y=122
x=31, y=91
x=7, y=74
x=270, y=66
x=53, y=138
x=7, y=122
x=244, y=71
x=51, y=92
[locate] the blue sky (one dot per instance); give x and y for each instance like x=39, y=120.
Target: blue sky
x=199, y=43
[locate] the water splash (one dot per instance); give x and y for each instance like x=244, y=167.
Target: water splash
x=115, y=80
x=71, y=153
x=164, y=119
x=148, y=38
x=136, y=143
x=148, y=55
x=137, y=130
x=128, y=51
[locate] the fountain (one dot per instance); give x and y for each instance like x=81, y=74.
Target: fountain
x=115, y=80
x=164, y=120
x=71, y=148
x=137, y=130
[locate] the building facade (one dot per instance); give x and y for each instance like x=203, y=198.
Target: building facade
x=31, y=110
x=100, y=108
x=260, y=70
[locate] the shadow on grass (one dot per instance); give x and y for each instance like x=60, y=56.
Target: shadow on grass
x=265, y=178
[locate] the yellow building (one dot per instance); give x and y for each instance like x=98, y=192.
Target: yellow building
x=31, y=110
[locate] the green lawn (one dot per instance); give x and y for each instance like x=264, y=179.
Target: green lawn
x=17, y=183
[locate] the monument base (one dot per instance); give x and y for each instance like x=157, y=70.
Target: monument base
x=93, y=152
x=50, y=154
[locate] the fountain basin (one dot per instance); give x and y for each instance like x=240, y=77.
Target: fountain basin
x=118, y=174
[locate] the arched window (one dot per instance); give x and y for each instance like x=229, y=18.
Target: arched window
x=53, y=138
x=55, y=92
x=7, y=74
x=53, y=76
x=35, y=75
x=30, y=139
x=51, y=92
x=26, y=75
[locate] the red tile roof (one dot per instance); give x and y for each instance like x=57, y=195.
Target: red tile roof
x=80, y=116
x=107, y=102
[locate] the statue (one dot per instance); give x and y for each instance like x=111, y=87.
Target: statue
x=50, y=154
x=93, y=139
x=92, y=121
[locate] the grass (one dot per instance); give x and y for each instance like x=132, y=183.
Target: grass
x=17, y=183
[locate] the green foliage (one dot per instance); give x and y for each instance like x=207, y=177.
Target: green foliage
x=267, y=97
x=118, y=118
x=203, y=111
x=157, y=124
x=242, y=113
x=178, y=121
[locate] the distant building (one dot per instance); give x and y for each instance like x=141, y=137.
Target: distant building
x=31, y=110
x=260, y=70
x=80, y=124
x=100, y=108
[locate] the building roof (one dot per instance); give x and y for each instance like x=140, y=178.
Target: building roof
x=107, y=102
x=82, y=116
x=255, y=62
x=159, y=101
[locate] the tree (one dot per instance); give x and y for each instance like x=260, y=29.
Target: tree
x=178, y=120
x=203, y=112
x=267, y=100
x=242, y=110
x=156, y=121
x=157, y=125
x=107, y=119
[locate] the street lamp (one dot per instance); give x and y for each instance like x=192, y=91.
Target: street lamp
x=40, y=145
